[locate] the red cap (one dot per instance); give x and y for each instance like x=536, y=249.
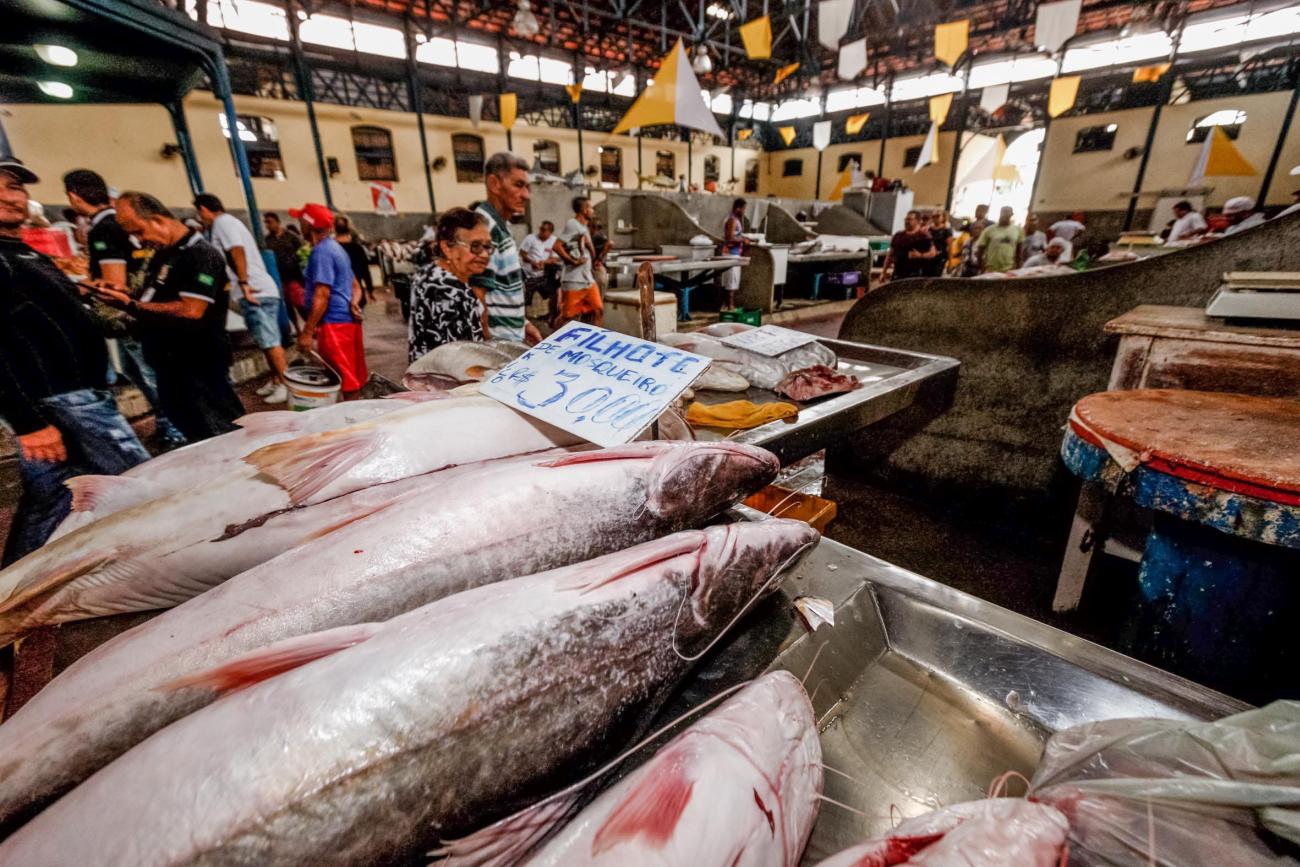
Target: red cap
x=314, y=215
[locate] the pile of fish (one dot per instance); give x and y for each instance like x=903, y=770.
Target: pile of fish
x=762, y=371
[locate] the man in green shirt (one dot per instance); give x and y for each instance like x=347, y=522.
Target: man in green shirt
x=999, y=245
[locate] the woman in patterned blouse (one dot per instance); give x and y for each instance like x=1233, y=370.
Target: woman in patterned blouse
x=443, y=306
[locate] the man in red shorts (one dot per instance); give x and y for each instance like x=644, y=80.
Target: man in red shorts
x=333, y=296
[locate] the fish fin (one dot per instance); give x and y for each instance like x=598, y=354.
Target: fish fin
x=418, y=396
x=305, y=465
x=592, y=574
x=108, y=494
x=631, y=451
x=271, y=421
x=650, y=810
x=276, y=658
x=29, y=589
x=508, y=841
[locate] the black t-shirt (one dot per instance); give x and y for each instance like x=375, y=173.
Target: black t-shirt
x=285, y=247
x=190, y=268
x=108, y=242
x=904, y=265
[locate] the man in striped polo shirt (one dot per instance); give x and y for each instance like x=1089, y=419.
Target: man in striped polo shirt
x=501, y=286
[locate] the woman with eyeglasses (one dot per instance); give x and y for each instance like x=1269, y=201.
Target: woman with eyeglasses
x=443, y=306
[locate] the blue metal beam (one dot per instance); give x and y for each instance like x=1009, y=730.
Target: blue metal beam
x=186, y=143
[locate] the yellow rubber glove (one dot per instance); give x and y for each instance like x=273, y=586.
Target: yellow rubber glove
x=739, y=414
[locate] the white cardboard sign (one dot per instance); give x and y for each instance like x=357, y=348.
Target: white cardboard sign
x=770, y=340
x=597, y=384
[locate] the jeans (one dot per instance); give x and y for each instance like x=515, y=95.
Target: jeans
x=98, y=441
x=140, y=372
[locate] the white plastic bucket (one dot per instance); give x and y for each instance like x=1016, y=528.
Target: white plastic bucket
x=311, y=386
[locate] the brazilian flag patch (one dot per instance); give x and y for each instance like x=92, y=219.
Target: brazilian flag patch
x=100, y=245
x=207, y=279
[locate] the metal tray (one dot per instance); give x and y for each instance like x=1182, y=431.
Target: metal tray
x=925, y=694
x=891, y=380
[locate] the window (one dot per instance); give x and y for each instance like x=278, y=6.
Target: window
x=546, y=155
x=261, y=142
x=666, y=164
x=751, y=177
x=712, y=169
x=846, y=159
x=374, y=149
x=467, y=150
x=912, y=156
x=1095, y=138
x=792, y=168
x=1230, y=119
x=611, y=167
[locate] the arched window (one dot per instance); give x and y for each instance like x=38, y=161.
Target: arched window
x=712, y=168
x=1230, y=119
x=261, y=142
x=666, y=164
x=374, y=149
x=611, y=166
x=546, y=154
x=751, y=177
x=847, y=158
x=467, y=151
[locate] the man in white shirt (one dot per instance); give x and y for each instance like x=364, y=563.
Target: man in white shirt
x=536, y=252
x=1188, y=224
x=1051, y=255
x=259, y=297
x=1241, y=213
x=1067, y=230
x=579, y=294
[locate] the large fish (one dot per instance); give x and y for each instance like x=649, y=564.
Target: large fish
x=760, y=370
x=739, y=788
x=159, y=553
x=440, y=720
x=461, y=361
x=95, y=497
x=474, y=525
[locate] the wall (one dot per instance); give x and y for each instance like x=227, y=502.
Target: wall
x=1096, y=180
x=930, y=184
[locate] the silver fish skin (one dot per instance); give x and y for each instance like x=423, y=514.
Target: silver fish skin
x=738, y=788
x=760, y=370
x=450, y=531
x=159, y=553
x=460, y=361
x=447, y=718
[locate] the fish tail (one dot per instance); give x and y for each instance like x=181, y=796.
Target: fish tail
x=305, y=465
x=271, y=421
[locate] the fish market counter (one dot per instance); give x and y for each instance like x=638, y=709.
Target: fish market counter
x=924, y=694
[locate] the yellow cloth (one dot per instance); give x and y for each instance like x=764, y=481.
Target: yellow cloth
x=757, y=36
x=744, y=134
x=1061, y=95
x=1149, y=73
x=785, y=72
x=846, y=178
x=950, y=41
x=854, y=123
x=509, y=108
x=787, y=134
x=739, y=414
x=1224, y=159
x=939, y=107
x=574, y=91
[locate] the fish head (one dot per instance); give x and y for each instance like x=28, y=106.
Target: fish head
x=734, y=565
x=692, y=482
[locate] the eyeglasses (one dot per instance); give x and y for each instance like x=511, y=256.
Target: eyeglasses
x=478, y=248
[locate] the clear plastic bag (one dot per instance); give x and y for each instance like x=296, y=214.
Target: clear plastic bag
x=1173, y=793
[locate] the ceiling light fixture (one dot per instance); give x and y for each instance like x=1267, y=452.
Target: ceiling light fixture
x=56, y=55
x=525, y=22
x=717, y=10
x=703, y=63
x=56, y=89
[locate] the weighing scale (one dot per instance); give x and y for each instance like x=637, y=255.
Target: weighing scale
x=1257, y=295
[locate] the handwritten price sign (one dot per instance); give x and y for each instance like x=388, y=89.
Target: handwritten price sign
x=600, y=385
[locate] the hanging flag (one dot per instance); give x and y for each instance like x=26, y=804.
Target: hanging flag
x=833, y=19
x=853, y=123
x=821, y=134
x=950, y=41
x=787, y=134
x=1061, y=96
x=383, y=198
x=929, y=148
x=1056, y=23
x=1149, y=74
x=785, y=72
x=509, y=106
x=744, y=134
x=939, y=107
x=757, y=36
x=673, y=96
x=574, y=90
x=985, y=167
x=1219, y=158
x=1002, y=170
x=853, y=59
x=844, y=182
x=994, y=97
x=475, y=110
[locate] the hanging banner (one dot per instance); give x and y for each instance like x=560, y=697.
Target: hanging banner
x=853, y=59
x=785, y=72
x=853, y=123
x=950, y=41
x=574, y=91
x=928, y=149
x=1150, y=74
x=509, y=106
x=1056, y=23
x=1061, y=96
x=844, y=182
x=744, y=134
x=673, y=96
x=939, y=107
x=1219, y=157
x=757, y=36
x=475, y=110
x=787, y=134
x=821, y=134
x=994, y=97
x=383, y=198
x=833, y=19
